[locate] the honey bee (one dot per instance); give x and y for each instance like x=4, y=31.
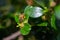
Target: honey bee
x=21, y=17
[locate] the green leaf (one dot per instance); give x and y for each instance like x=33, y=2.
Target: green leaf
x=43, y=24
x=33, y=12
x=57, y=11
x=17, y=18
x=53, y=25
x=26, y=29
x=27, y=11
x=43, y=3
x=36, y=12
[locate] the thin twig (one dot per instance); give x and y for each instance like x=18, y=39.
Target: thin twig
x=13, y=36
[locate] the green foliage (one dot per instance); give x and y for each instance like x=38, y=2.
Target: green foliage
x=57, y=11
x=53, y=19
x=26, y=29
x=42, y=3
x=33, y=12
x=17, y=18
x=43, y=24
x=28, y=11
x=36, y=12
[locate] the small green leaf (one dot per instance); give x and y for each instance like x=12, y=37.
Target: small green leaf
x=43, y=24
x=26, y=29
x=57, y=11
x=17, y=18
x=53, y=25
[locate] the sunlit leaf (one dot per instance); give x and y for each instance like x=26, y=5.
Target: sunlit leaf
x=28, y=11
x=36, y=12
x=26, y=29
x=33, y=12
x=57, y=11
